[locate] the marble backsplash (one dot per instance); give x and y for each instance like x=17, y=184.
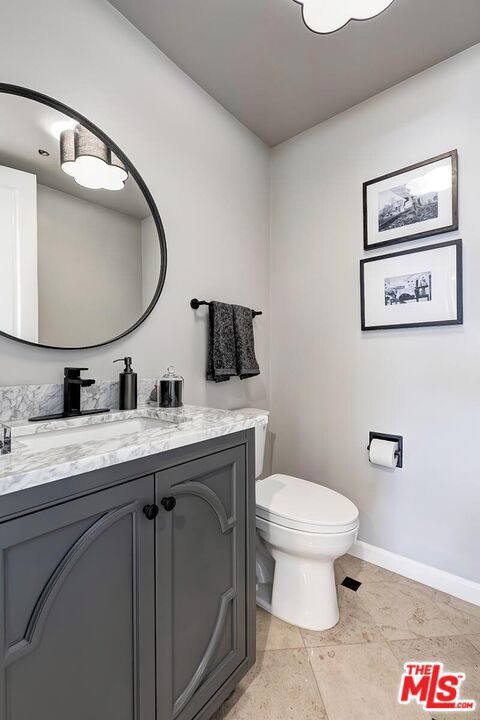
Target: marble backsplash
x=24, y=401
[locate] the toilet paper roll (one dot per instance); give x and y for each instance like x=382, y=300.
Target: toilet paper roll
x=382, y=452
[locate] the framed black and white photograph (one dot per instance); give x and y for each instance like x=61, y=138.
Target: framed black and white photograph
x=412, y=203
x=413, y=288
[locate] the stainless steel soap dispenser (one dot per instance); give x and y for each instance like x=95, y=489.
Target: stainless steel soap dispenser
x=127, y=380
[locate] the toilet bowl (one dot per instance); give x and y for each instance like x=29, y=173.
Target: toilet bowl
x=302, y=528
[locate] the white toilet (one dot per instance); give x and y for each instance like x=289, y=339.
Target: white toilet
x=302, y=528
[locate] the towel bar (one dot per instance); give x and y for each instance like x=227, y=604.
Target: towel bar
x=195, y=304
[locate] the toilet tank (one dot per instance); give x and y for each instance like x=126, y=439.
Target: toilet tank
x=260, y=437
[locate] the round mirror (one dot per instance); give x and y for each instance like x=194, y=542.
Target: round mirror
x=82, y=247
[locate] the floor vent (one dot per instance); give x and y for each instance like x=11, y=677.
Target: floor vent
x=351, y=584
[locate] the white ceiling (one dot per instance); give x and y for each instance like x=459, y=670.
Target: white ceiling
x=257, y=58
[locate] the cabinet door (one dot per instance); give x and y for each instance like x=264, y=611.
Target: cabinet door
x=201, y=574
x=77, y=609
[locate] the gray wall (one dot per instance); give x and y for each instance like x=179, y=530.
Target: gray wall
x=331, y=384
x=90, y=257
x=208, y=175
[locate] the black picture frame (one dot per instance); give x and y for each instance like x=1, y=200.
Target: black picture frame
x=66, y=110
x=453, y=155
x=459, y=287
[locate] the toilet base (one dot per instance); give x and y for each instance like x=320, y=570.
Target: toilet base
x=308, y=615
x=304, y=592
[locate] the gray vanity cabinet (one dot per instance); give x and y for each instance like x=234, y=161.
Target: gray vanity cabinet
x=110, y=610
x=201, y=579
x=77, y=609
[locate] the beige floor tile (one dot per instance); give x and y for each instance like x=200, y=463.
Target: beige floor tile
x=444, y=599
x=356, y=625
x=465, y=623
x=364, y=571
x=457, y=654
x=274, y=634
x=281, y=686
x=358, y=664
x=475, y=640
x=361, y=682
x=465, y=616
x=406, y=610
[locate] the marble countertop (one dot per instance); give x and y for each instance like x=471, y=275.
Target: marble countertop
x=25, y=468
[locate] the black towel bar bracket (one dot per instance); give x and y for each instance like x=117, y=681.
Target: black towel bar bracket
x=195, y=304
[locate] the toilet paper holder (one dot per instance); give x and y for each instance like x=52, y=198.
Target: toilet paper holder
x=392, y=438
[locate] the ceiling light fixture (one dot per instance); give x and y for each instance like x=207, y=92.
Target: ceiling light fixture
x=328, y=16
x=89, y=161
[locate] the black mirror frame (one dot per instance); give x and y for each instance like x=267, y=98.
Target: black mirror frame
x=61, y=107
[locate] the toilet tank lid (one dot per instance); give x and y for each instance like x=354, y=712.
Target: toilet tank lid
x=283, y=498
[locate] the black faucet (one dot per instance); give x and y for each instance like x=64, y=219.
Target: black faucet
x=72, y=384
x=71, y=390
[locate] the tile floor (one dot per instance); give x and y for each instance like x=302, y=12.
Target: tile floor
x=353, y=671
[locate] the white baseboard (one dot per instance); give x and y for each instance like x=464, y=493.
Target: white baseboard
x=425, y=574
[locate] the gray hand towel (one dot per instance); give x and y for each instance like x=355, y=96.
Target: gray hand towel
x=246, y=362
x=221, y=343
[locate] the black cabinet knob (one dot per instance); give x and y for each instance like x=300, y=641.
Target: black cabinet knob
x=168, y=503
x=151, y=511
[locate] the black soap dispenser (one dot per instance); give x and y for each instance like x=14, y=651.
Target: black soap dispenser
x=127, y=399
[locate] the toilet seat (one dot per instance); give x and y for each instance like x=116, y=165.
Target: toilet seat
x=302, y=505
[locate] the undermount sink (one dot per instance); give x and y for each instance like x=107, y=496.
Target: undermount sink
x=101, y=431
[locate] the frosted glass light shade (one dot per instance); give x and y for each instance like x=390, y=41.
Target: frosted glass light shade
x=89, y=161
x=327, y=16
x=118, y=167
